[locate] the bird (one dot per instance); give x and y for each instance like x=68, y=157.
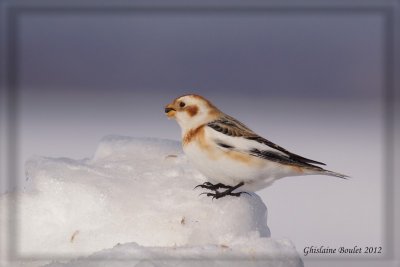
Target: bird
x=230, y=154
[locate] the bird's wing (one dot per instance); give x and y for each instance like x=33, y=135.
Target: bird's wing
x=228, y=133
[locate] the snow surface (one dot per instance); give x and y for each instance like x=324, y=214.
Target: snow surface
x=134, y=190
x=263, y=252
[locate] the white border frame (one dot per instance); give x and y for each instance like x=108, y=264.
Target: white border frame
x=11, y=10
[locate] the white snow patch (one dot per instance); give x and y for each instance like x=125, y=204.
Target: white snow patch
x=250, y=252
x=133, y=190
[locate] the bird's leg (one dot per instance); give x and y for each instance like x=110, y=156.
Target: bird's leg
x=228, y=192
x=214, y=187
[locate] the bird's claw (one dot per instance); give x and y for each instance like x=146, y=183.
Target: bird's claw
x=226, y=193
x=204, y=185
x=213, y=187
x=218, y=195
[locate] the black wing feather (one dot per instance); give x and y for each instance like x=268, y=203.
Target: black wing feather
x=290, y=154
x=231, y=127
x=277, y=157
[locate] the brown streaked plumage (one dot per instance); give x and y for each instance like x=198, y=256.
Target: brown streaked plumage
x=211, y=105
x=240, y=157
x=298, y=169
x=197, y=133
x=192, y=110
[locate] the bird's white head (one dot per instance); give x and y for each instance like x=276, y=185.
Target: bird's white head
x=191, y=111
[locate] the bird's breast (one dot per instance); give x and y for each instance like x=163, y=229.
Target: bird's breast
x=221, y=165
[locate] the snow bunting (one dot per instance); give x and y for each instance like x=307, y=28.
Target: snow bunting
x=231, y=155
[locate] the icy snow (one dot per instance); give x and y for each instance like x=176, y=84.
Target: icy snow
x=254, y=252
x=137, y=191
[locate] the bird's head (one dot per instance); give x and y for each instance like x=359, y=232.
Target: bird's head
x=191, y=111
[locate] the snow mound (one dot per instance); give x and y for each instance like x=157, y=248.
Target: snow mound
x=263, y=252
x=133, y=190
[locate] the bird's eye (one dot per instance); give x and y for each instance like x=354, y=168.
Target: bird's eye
x=182, y=104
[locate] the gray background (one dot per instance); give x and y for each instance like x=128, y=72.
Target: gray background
x=311, y=82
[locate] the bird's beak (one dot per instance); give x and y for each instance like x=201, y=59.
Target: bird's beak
x=170, y=111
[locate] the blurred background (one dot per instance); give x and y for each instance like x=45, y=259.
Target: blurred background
x=312, y=83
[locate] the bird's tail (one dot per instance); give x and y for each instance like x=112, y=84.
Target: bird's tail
x=335, y=174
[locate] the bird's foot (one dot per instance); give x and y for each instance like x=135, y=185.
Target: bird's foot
x=214, y=187
x=218, y=195
x=228, y=192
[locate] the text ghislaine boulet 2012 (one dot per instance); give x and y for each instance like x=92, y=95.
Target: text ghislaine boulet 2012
x=341, y=250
